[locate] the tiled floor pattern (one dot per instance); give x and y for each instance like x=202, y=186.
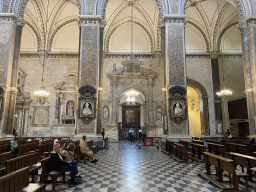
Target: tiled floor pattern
x=126, y=168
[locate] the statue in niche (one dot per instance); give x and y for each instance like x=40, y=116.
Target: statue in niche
x=70, y=109
x=87, y=111
x=105, y=112
x=158, y=113
x=178, y=110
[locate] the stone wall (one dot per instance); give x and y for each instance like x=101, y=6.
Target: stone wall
x=55, y=72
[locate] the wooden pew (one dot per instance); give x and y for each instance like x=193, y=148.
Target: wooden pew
x=221, y=164
x=23, y=161
x=185, y=143
x=217, y=149
x=48, y=173
x=182, y=152
x=237, y=148
x=21, y=142
x=5, y=148
x=45, y=149
x=27, y=148
x=198, y=149
x=92, y=147
x=81, y=155
x=46, y=142
x=4, y=157
x=213, y=141
x=5, y=142
x=198, y=142
x=18, y=180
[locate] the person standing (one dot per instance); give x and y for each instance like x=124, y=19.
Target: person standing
x=103, y=133
x=85, y=150
x=131, y=135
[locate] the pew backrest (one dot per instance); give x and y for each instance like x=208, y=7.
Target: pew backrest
x=4, y=148
x=4, y=157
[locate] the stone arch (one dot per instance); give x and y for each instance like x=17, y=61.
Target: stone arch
x=18, y=7
x=128, y=87
x=117, y=26
x=100, y=8
x=202, y=32
x=245, y=8
x=203, y=94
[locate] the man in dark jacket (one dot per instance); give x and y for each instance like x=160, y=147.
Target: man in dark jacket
x=58, y=164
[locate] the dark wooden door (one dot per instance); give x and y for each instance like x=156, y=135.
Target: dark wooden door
x=243, y=130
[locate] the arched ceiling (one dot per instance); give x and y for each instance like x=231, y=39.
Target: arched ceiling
x=45, y=23
x=212, y=17
x=146, y=19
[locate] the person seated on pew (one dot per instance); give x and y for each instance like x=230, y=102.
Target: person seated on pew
x=69, y=155
x=85, y=150
x=252, y=141
x=57, y=163
x=14, y=147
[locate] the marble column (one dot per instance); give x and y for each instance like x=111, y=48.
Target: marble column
x=176, y=67
x=114, y=104
x=216, y=88
x=7, y=42
x=248, y=31
x=89, y=62
x=225, y=114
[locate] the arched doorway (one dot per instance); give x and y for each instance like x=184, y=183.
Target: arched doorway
x=132, y=114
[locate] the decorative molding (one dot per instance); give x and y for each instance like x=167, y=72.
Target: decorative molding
x=198, y=56
x=251, y=20
x=89, y=19
x=127, y=55
x=214, y=55
x=50, y=55
x=231, y=56
x=8, y=17
x=37, y=36
x=175, y=19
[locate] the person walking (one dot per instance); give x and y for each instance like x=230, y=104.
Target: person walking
x=131, y=135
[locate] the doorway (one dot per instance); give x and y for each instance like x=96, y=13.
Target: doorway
x=130, y=119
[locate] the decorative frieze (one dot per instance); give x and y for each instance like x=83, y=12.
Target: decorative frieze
x=213, y=55
x=175, y=19
x=89, y=19
x=198, y=56
x=49, y=55
x=127, y=56
x=8, y=17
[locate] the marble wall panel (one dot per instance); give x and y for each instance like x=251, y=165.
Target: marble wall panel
x=86, y=128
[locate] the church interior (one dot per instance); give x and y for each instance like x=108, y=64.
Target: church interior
x=170, y=70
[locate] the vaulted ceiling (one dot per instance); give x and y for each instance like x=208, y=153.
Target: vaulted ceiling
x=54, y=27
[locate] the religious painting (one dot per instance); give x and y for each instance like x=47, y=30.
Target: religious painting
x=131, y=117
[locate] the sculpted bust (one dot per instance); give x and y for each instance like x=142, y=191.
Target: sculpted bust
x=87, y=111
x=178, y=111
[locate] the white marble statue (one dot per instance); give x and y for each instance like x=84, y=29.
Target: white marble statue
x=105, y=113
x=177, y=110
x=87, y=111
x=70, y=109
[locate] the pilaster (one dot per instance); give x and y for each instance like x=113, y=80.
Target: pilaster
x=176, y=69
x=89, y=62
x=7, y=42
x=248, y=31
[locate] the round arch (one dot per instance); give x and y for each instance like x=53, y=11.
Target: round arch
x=245, y=8
x=204, y=97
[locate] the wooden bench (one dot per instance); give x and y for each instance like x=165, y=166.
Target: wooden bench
x=4, y=157
x=5, y=142
x=21, y=142
x=5, y=148
x=224, y=164
x=23, y=161
x=217, y=149
x=81, y=155
x=237, y=148
x=27, y=148
x=182, y=152
x=213, y=141
x=46, y=142
x=48, y=173
x=198, y=142
x=198, y=149
x=92, y=147
x=18, y=180
x=45, y=149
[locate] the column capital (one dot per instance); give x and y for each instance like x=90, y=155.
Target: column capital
x=89, y=20
x=251, y=20
x=8, y=17
x=242, y=24
x=214, y=55
x=175, y=19
x=21, y=22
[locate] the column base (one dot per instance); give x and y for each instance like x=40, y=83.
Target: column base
x=177, y=137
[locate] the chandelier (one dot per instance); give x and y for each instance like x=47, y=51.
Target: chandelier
x=224, y=92
x=132, y=94
x=42, y=95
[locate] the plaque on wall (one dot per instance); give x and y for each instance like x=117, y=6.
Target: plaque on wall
x=177, y=104
x=87, y=104
x=41, y=116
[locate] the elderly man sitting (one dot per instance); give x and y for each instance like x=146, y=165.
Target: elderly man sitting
x=57, y=163
x=85, y=150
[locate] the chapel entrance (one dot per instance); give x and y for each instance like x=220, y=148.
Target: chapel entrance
x=130, y=118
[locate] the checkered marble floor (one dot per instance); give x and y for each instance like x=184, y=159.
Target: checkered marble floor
x=126, y=168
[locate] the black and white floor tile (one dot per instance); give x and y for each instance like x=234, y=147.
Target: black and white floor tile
x=126, y=168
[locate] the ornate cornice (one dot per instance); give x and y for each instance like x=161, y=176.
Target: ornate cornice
x=212, y=55
x=127, y=55
x=89, y=19
x=231, y=56
x=198, y=56
x=8, y=17
x=50, y=55
x=175, y=19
